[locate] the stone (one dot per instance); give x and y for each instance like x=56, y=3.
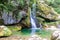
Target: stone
x=26, y=20
x=12, y=17
x=16, y=28
x=35, y=37
x=52, y=28
x=55, y=35
x=4, y=31
x=47, y=11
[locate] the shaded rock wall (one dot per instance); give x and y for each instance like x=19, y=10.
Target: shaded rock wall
x=19, y=12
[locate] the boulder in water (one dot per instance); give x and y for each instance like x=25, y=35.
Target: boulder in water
x=4, y=31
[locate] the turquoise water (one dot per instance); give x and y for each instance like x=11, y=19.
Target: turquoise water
x=27, y=32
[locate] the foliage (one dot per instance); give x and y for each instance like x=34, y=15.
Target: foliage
x=10, y=4
x=55, y=5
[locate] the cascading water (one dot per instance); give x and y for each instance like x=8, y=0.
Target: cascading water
x=33, y=20
x=34, y=27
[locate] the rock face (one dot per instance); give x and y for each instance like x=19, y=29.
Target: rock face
x=56, y=35
x=46, y=15
x=12, y=18
x=7, y=17
x=12, y=13
x=15, y=15
x=26, y=20
x=47, y=11
x=4, y=31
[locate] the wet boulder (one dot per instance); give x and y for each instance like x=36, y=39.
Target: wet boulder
x=4, y=31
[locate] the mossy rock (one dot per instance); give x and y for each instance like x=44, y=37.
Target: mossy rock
x=15, y=27
x=47, y=11
x=4, y=31
x=55, y=24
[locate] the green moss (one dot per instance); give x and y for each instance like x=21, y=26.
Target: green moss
x=14, y=28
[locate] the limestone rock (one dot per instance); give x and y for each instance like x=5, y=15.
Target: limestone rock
x=4, y=31
x=52, y=25
x=12, y=18
x=55, y=35
x=47, y=11
x=40, y=19
x=17, y=27
x=26, y=21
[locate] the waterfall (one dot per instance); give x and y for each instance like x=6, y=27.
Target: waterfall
x=33, y=24
x=33, y=20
